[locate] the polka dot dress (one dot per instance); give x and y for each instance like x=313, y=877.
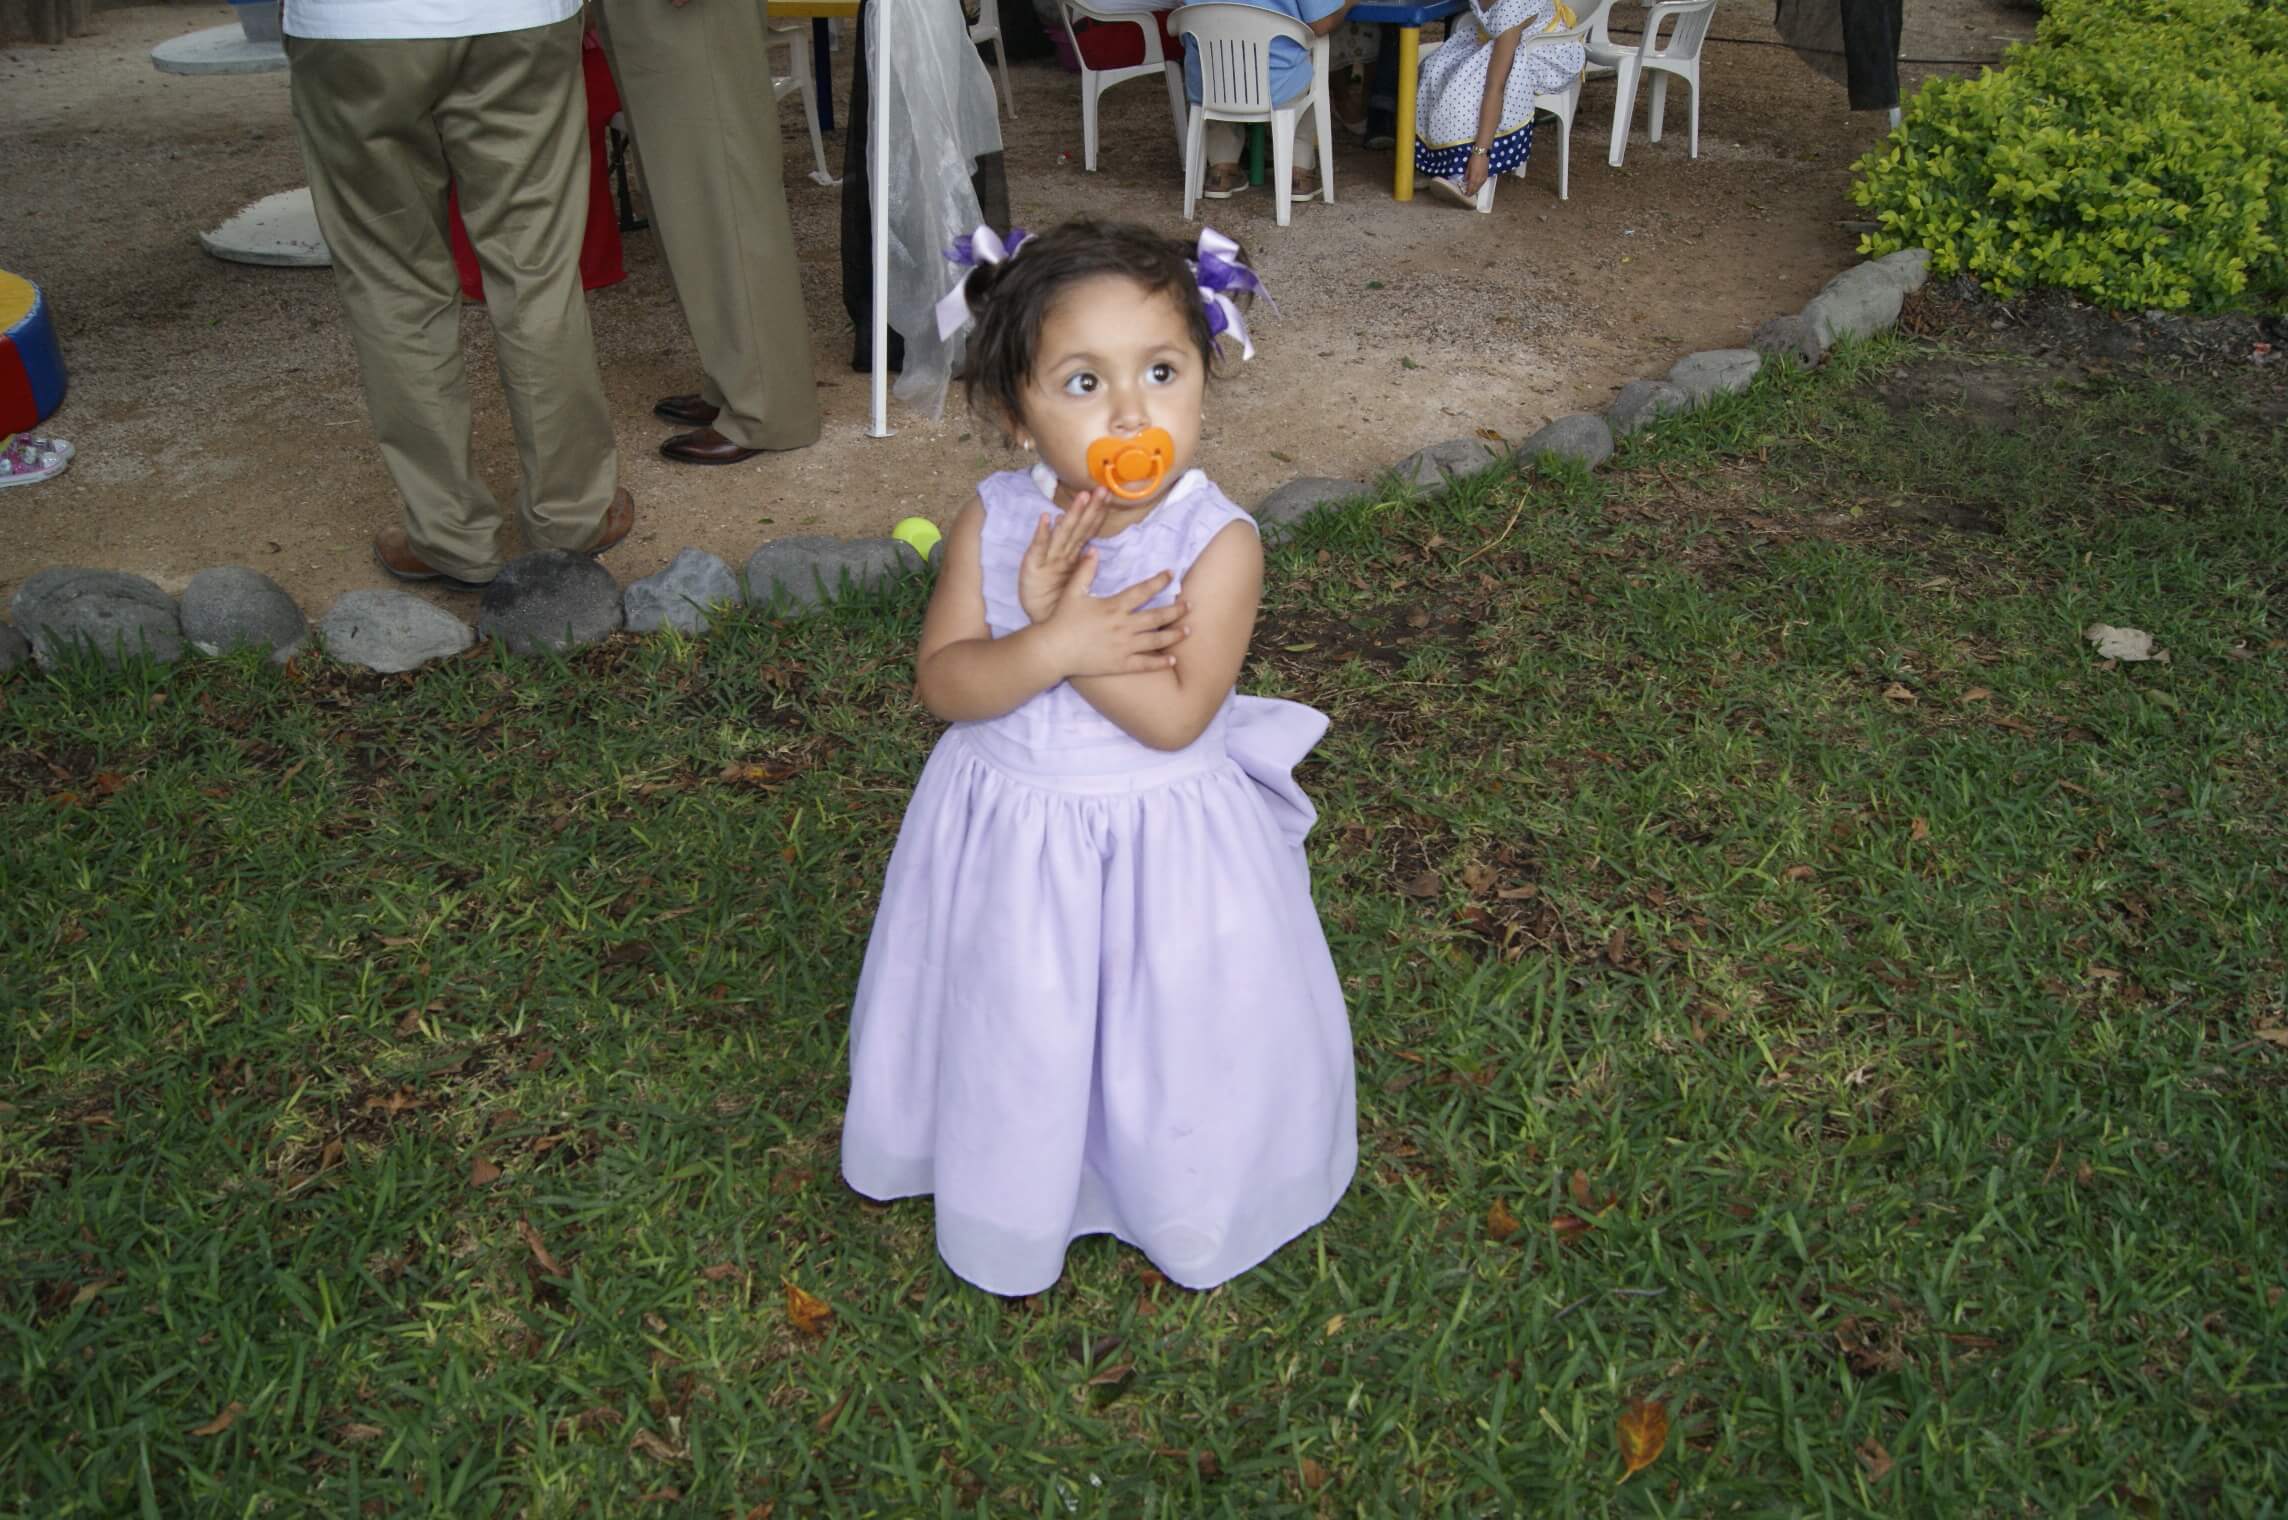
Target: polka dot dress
x=1453, y=87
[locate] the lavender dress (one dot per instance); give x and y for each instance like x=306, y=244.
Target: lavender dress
x=1097, y=998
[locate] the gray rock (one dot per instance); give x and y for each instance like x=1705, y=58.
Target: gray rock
x=1441, y=463
x=937, y=554
x=1297, y=499
x=390, y=631
x=1715, y=372
x=232, y=607
x=1858, y=303
x=812, y=569
x=1909, y=268
x=554, y=600
x=13, y=649
x=1640, y=401
x=1789, y=337
x=64, y=610
x=683, y=596
x=1582, y=437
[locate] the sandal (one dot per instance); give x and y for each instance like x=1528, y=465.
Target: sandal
x=1303, y=184
x=1452, y=190
x=1224, y=181
x=27, y=460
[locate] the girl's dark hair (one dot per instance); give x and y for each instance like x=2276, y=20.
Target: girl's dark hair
x=1011, y=299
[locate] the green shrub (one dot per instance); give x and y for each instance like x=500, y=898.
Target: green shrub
x=2133, y=154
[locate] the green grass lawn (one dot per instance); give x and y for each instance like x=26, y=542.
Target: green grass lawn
x=1794, y=981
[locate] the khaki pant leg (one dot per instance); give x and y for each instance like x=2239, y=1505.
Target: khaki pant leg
x=514, y=125
x=695, y=81
x=363, y=114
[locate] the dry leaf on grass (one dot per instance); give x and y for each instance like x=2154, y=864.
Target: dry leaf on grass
x=806, y=1312
x=354, y=1432
x=1918, y=830
x=651, y=1445
x=2276, y=1035
x=1501, y=1224
x=221, y=1422
x=2126, y=644
x=1875, y=1460
x=720, y=1272
x=1978, y=694
x=483, y=1173
x=1570, y=1227
x=1314, y=1476
x=539, y=1248
x=1643, y=1429
x=1798, y=873
x=1897, y=693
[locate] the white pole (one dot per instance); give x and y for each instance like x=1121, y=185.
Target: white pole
x=878, y=82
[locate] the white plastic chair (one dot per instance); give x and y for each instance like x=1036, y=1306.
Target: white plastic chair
x=1094, y=82
x=796, y=36
x=1233, y=46
x=1679, y=56
x=988, y=29
x=1559, y=104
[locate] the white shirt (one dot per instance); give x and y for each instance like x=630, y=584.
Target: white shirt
x=392, y=19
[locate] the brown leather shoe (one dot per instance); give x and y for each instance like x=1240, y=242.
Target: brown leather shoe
x=691, y=410
x=394, y=553
x=619, y=517
x=706, y=446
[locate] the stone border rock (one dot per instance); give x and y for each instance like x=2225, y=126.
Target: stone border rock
x=556, y=600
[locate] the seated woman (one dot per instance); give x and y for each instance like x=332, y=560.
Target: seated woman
x=1473, y=114
x=1290, y=77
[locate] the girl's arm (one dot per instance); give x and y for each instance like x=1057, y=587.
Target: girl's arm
x=962, y=672
x=1168, y=709
x=1489, y=109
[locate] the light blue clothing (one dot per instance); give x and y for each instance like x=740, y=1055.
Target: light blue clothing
x=1290, y=63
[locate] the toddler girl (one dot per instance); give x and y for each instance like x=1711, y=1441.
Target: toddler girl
x=1097, y=998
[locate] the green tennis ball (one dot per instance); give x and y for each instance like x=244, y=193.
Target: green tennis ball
x=918, y=534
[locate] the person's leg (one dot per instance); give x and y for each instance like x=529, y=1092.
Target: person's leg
x=363, y=115
x=695, y=81
x=513, y=124
x=1382, y=87
x=1223, y=142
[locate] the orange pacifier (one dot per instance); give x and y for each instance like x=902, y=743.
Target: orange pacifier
x=1132, y=468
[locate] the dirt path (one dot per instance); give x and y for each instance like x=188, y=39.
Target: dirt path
x=218, y=418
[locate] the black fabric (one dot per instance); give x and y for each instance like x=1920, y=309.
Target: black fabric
x=1853, y=42
x=990, y=181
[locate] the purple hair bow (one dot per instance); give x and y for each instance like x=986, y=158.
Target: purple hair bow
x=1220, y=273
x=984, y=246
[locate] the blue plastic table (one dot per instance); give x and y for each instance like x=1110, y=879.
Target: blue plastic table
x=1409, y=20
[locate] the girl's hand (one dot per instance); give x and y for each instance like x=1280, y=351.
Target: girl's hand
x=1474, y=177
x=1049, y=559
x=1114, y=635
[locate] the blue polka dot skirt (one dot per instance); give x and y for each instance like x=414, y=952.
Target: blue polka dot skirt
x=1454, y=162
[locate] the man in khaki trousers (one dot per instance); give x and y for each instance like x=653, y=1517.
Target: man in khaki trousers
x=695, y=80
x=395, y=101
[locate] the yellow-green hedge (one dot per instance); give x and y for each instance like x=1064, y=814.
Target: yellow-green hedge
x=2135, y=153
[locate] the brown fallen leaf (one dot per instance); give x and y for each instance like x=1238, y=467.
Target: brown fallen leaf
x=661, y=1496
x=1918, y=830
x=720, y=1272
x=807, y=1312
x=1501, y=1224
x=1425, y=885
x=1875, y=1460
x=539, y=1248
x=1477, y=876
x=1578, y=1189
x=1978, y=694
x=764, y=1510
x=1617, y=946
x=1314, y=1476
x=1519, y=894
x=653, y=1446
x=354, y=1432
x=825, y=1422
x=2274, y=1035
x=1570, y=1227
x=1643, y=1429
x=1897, y=693
x=483, y=1173
x=223, y=1421
x=108, y=783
